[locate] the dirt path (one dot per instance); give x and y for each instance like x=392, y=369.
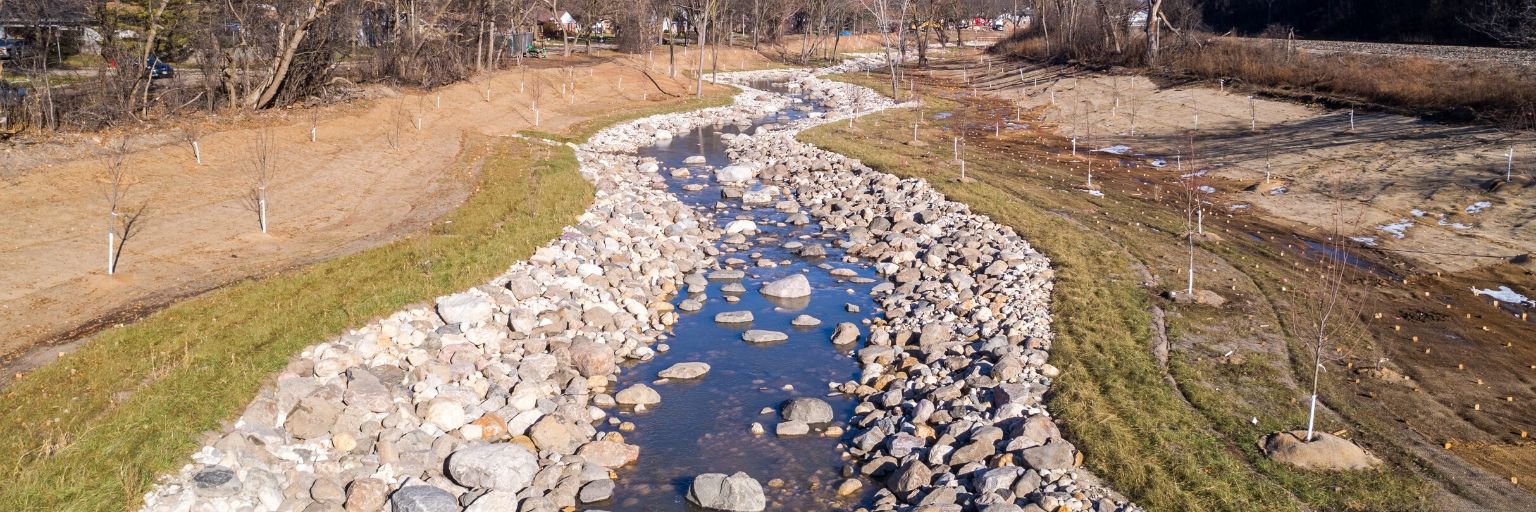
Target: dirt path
x=369, y=178
x=1389, y=169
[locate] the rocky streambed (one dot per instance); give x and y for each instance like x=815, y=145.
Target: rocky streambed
x=739, y=321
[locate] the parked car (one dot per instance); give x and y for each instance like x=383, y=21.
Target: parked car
x=158, y=69
x=12, y=48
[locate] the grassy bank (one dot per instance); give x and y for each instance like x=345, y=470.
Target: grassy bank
x=1190, y=446
x=90, y=431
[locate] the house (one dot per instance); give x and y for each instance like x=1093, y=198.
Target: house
x=66, y=30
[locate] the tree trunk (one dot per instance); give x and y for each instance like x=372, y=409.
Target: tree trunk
x=284, y=60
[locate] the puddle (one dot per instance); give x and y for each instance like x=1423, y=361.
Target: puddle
x=703, y=425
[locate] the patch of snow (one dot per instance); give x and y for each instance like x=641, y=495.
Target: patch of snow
x=1504, y=294
x=1207, y=189
x=1239, y=206
x=1397, y=229
x=1159, y=163
x=943, y=115
x=1094, y=193
x=1369, y=241
x=1117, y=149
x=1416, y=212
x=1277, y=191
x=1200, y=172
x=1478, y=207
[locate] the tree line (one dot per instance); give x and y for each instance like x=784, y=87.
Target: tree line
x=86, y=65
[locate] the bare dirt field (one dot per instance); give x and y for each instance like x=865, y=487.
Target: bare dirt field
x=1398, y=175
x=1441, y=378
x=371, y=176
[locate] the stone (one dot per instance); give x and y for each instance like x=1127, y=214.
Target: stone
x=495, y=501
x=551, y=433
x=313, y=417
x=791, y=428
x=975, y=451
x=734, y=174
x=734, y=317
x=366, y=495
x=1324, y=452
x=592, y=359
x=446, y=414
x=845, y=333
x=1056, y=454
x=595, y=491
x=805, y=321
x=609, y=454
x=422, y=498
x=464, y=308
x=328, y=491
x=792, y=287
x=763, y=336
x=741, y=226
x=688, y=370
x=909, y=478
x=814, y=411
x=849, y=487
x=638, y=394
x=500, y=466
x=735, y=493
x=365, y=390
x=215, y=482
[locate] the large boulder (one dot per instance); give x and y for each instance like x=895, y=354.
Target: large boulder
x=792, y=287
x=734, y=174
x=464, y=308
x=502, y=466
x=806, y=409
x=688, y=370
x=1324, y=452
x=638, y=394
x=1056, y=454
x=735, y=493
x=592, y=358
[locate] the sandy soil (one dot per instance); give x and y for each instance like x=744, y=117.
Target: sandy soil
x=1383, y=170
x=371, y=177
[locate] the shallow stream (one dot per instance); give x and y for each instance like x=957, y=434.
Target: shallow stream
x=704, y=425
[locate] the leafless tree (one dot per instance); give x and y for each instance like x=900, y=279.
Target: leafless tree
x=122, y=219
x=262, y=170
x=880, y=10
x=193, y=136
x=1509, y=23
x=1320, y=316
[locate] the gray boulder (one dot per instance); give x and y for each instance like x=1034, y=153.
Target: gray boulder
x=422, y=498
x=502, y=466
x=688, y=370
x=792, y=287
x=806, y=409
x=464, y=308
x=763, y=336
x=735, y=493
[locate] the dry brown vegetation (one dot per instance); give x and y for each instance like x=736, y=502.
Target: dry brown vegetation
x=1443, y=89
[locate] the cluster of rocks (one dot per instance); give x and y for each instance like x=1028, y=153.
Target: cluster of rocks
x=488, y=399
x=951, y=413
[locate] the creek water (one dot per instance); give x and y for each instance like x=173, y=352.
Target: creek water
x=703, y=425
